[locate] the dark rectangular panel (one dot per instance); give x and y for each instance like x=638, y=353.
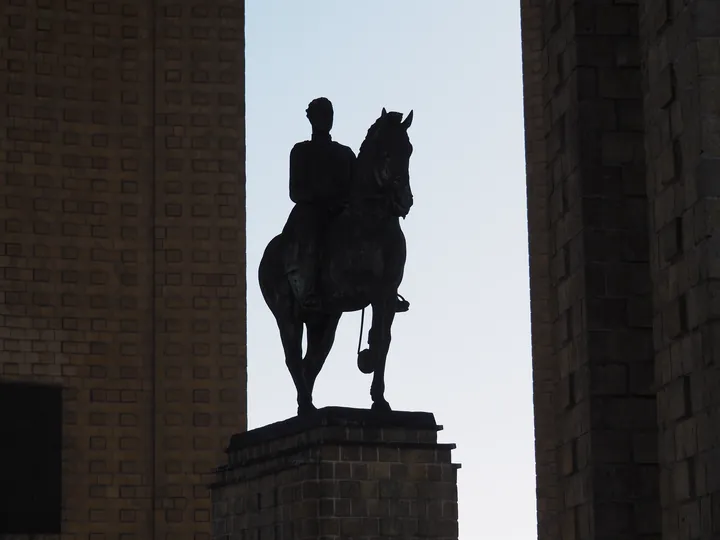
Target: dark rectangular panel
x=30, y=459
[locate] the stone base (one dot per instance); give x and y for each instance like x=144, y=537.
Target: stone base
x=338, y=474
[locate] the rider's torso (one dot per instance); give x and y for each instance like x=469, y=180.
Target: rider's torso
x=326, y=169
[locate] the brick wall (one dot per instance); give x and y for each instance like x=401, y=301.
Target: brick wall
x=682, y=108
x=200, y=251
x=545, y=373
x=122, y=255
x=592, y=338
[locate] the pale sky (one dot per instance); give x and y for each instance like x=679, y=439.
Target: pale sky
x=462, y=352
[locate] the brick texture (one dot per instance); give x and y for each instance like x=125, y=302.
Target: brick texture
x=545, y=373
x=334, y=478
x=122, y=255
x=596, y=434
x=681, y=73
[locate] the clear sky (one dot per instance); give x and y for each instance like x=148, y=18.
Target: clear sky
x=463, y=349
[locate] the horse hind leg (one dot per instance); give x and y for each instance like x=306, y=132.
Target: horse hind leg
x=321, y=336
x=291, y=333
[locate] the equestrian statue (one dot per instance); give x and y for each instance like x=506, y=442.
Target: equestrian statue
x=342, y=248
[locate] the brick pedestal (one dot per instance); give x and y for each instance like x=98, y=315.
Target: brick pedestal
x=339, y=474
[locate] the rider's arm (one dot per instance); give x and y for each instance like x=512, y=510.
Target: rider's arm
x=298, y=186
x=349, y=174
x=351, y=163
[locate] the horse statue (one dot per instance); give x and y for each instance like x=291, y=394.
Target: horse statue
x=361, y=264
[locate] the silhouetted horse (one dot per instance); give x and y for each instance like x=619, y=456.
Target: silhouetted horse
x=362, y=263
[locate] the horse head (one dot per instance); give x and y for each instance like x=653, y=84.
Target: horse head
x=384, y=160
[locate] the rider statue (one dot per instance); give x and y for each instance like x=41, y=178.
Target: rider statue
x=321, y=172
x=321, y=176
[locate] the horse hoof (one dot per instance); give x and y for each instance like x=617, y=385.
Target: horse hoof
x=304, y=410
x=381, y=406
x=366, y=362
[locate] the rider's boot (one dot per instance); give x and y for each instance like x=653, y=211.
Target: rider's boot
x=310, y=300
x=303, y=290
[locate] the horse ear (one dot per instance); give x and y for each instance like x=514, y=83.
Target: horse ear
x=384, y=112
x=408, y=121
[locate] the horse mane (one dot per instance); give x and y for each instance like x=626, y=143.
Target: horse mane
x=394, y=117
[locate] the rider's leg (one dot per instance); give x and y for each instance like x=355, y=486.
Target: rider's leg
x=302, y=265
x=307, y=275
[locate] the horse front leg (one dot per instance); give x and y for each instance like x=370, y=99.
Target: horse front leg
x=379, y=344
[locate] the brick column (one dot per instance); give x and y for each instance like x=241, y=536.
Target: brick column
x=542, y=308
x=343, y=473
x=681, y=49
x=76, y=243
x=199, y=255
x=122, y=247
x=591, y=318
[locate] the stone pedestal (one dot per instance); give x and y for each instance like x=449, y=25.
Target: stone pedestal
x=338, y=474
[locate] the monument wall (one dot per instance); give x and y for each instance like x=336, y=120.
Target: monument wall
x=122, y=262
x=621, y=133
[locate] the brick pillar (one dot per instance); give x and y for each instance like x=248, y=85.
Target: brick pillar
x=122, y=247
x=681, y=44
x=544, y=360
x=199, y=256
x=591, y=316
x=343, y=473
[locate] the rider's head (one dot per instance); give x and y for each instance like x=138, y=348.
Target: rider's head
x=320, y=114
